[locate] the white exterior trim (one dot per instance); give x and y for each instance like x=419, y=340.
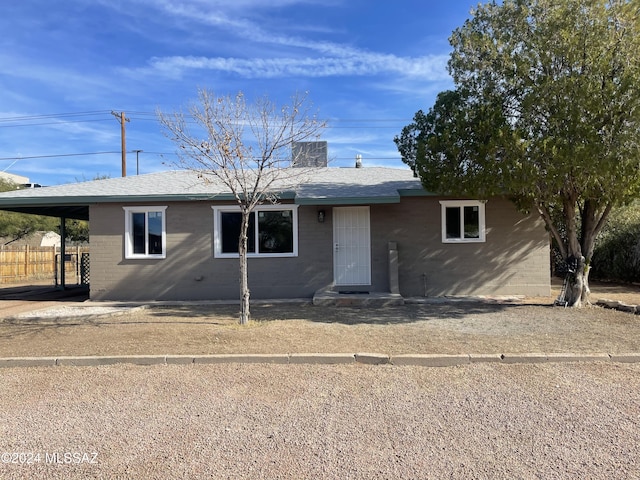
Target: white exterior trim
x=217, y=234
x=461, y=204
x=128, y=234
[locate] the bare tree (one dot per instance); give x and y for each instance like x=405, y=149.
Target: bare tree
x=247, y=147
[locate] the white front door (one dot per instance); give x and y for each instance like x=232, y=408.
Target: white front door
x=351, y=246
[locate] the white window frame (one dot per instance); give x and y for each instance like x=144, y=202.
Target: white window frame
x=217, y=234
x=461, y=204
x=128, y=232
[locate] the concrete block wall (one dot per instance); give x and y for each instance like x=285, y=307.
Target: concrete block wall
x=190, y=271
x=513, y=260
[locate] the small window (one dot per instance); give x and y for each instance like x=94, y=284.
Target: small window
x=273, y=231
x=462, y=221
x=145, y=232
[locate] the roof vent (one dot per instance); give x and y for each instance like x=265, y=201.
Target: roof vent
x=309, y=154
x=358, y=161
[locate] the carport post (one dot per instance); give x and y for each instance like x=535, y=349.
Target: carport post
x=63, y=248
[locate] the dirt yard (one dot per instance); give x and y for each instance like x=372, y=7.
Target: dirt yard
x=532, y=325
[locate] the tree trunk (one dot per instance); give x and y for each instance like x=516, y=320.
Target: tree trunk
x=244, y=271
x=575, y=292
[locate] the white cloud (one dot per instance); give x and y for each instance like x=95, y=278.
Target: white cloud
x=428, y=68
x=293, y=55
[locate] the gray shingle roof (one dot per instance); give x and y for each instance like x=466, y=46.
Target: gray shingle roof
x=311, y=186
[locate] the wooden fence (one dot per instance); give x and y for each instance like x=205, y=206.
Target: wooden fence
x=24, y=263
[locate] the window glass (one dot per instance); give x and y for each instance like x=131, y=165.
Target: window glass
x=275, y=231
x=137, y=220
x=453, y=222
x=230, y=223
x=471, y=222
x=155, y=233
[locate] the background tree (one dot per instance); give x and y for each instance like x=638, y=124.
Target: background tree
x=78, y=230
x=247, y=147
x=546, y=110
x=15, y=226
x=617, y=252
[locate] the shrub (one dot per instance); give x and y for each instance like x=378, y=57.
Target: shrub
x=617, y=251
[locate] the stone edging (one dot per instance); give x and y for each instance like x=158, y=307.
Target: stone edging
x=423, y=360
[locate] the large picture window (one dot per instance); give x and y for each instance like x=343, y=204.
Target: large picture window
x=273, y=231
x=462, y=221
x=145, y=232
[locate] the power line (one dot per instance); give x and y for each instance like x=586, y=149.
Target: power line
x=133, y=117
x=57, y=155
x=53, y=123
x=52, y=115
x=81, y=117
x=149, y=153
x=51, y=119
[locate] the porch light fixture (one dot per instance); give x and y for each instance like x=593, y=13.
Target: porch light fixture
x=320, y=216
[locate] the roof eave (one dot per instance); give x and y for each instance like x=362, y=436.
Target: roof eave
x=415, y=192
x=347, y=200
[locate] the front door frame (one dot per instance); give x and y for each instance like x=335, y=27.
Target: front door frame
x=351, y=246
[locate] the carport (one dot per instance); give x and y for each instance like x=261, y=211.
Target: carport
x=50, y=206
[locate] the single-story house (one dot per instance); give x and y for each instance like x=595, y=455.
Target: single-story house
x=171, y=236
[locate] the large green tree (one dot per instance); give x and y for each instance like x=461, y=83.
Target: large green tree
x=545, y=110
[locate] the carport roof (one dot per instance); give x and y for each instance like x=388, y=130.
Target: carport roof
x=312, y=186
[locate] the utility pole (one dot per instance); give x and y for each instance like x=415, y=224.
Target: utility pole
x=122, y=119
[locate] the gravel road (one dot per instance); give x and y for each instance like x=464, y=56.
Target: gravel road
x=300, y=421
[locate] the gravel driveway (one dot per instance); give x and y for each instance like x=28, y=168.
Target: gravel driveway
x=299, y=421
x=248, y=421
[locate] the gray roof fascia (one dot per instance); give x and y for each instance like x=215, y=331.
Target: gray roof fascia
x=347, y=200
x=45, y=201
x=95, y=199
x=365, y=200
x=416, y=192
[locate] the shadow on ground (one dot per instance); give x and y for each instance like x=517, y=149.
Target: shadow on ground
x=344, y=315
x=44, y=293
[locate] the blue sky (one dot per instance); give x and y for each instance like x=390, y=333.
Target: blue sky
x=367, y=66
